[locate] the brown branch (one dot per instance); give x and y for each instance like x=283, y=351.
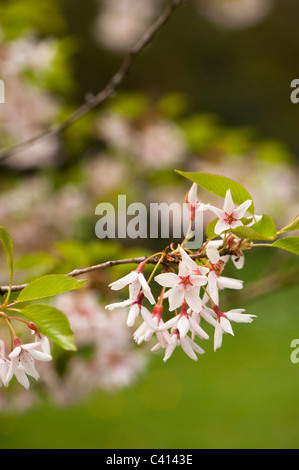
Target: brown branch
x=109, y=89
x=89, y=269
x=110, y=264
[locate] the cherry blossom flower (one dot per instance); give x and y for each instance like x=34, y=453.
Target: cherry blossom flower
x=192, y=265
x=229, y=217
x=217, y=282
x=184, y=322
x=223, y=323
x=136, y=281
x=4, y=365
x=193, y=202
x=184, y=285
x=187, y=344
x=152, y=324
x=22, y=361
x=237, y=259
x=136, y=307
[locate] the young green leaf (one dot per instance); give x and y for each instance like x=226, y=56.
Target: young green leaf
x=210, y=229
x=293, y=225
x=219, y=185
x=51, y=323
x=288, y=244
x=265, y=229
x=49, y=285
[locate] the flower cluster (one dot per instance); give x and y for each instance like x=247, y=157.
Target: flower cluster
x=191, y=282
x=21, y=360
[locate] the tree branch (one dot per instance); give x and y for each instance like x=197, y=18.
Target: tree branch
x=110, y=264
x=109, y=89
x=89, y=269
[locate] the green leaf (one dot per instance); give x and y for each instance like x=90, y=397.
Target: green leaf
x=6, y=241
x=219, y=185
x=52, y=323
x=49, y=285
x=293, y=225
x=210, y=229
x=288, y=244
x=265, y=229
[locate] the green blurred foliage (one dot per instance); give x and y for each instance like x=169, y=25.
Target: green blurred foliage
x=242, y=396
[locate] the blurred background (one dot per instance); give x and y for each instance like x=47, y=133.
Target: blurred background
x=211, y=93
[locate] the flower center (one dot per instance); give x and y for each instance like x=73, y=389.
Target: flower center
x=230, y=218
x=185, y=280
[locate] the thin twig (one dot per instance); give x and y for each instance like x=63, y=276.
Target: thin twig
x=110, y=264
x=89, y=269
x=104, y=94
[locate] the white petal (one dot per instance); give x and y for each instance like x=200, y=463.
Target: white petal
x=140, y=331
x=167, y=279
x=125, y=303
x=207, y=317
x=214, y=295
x=240, y=211
x=15, y=352
x=170, y=323
x=151, y=321
x=216, y=243
x=40, y=356
x=148, y=294
x=238, y=261
x=124, y=281
x=193, y=299
x=168, y=351
x=213, y=254
x=134, y=289
x=176, y=297
x=146, y=289
x=219, y=212
x=30, y=346
x=221, y=226
x=228, y=205
x=187, y=348
x=163, y=338
x=201, y=270
x=28, y=363
x=195, y=346
x=192, y=194
x=183, y=326
x=226, y=326
x=157, y=347
x=12, y=368
x=198, y=330
x=187, y=260
x=240, y=317
x=235, y=224
x=22, y=377
x=3, y=373
x=213, y=282
x=183, y=270
x=227, y=282
x=45, y=345
x=218, y=336
x=197, y=280
x=132, y=315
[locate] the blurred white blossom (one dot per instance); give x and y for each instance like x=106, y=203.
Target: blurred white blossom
x=235, y=14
